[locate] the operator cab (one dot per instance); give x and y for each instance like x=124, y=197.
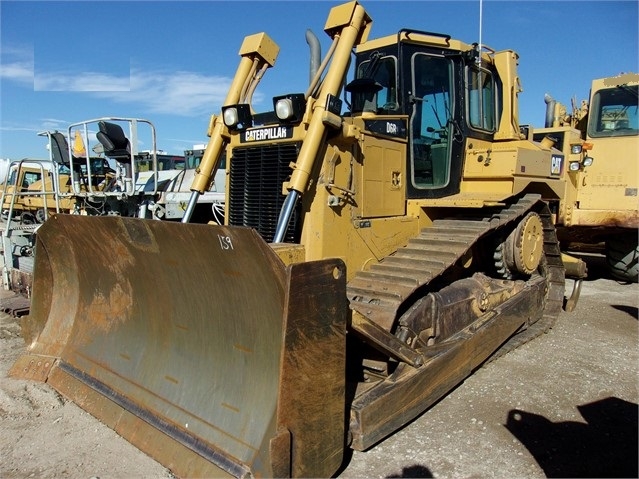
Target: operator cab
x=419, y=77
x=614, y=112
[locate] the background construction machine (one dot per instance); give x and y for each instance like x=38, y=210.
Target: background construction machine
x=71, y=181
x=109, y=181
x=18, y=221
x=176, y=194
x=25, y=177
x=409, y=243
x=600, y=139
x=138, y=174
x=116, y=179
x=120, y=178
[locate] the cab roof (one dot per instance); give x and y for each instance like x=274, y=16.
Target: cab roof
x=422, y=38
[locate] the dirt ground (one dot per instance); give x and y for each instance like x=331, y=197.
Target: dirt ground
x=563, y=405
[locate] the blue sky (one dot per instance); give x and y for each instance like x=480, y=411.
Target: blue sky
x=171, y=62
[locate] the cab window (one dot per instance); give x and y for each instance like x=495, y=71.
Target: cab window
x=613, y=112
x=380, y=96
x=481, y=102
x=431, y=120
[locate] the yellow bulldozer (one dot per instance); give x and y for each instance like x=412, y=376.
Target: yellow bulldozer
x=600, y=139
x=377, y=248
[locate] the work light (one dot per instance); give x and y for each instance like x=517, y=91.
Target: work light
x=237, y=117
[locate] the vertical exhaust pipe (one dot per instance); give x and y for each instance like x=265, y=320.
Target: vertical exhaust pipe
x=316, y=53
x=550, y=110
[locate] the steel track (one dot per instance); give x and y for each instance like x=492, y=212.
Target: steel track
x=379, y=293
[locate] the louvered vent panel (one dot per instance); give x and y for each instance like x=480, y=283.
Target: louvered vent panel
x=255, y=188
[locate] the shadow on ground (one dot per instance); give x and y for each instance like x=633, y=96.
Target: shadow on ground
x=631, y=310
x=413, y=471
x=604, y=446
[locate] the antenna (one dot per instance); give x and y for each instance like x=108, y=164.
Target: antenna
x=481, y=11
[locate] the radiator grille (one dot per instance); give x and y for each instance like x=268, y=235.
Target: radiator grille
x=255, y=188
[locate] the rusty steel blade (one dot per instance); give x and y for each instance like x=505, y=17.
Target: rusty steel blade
x=182, y=328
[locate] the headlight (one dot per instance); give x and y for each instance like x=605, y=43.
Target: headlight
x=231, y=118
x=237, y=117
x=575, y=149
x=574, y=166
x=284, y=109
x=588, y=161
x=289, y=108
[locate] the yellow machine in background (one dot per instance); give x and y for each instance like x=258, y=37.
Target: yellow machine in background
x=601, y=141
x=376, y=250
x=23, y=176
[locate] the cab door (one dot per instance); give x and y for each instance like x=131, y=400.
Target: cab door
x=432, y=127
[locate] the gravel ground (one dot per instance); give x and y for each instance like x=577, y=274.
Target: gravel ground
x=563, y=405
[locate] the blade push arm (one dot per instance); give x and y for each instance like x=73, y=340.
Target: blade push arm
x=258, y=53
x=348, y=25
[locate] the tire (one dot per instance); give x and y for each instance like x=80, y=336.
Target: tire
x=40, y=216
x=622, y=256
x=27, y=219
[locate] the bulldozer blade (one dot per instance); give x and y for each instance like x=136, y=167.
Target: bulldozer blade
x=193, y=342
